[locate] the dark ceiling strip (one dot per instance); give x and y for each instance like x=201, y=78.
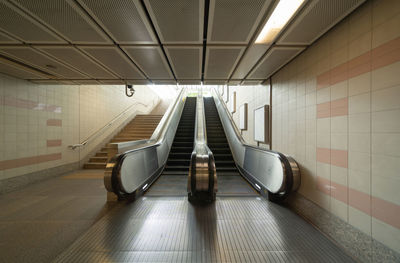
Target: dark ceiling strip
x=158, y=38
x=205, y=29
x=110, y=37
x=29, y=68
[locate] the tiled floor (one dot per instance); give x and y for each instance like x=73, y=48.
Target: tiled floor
x=67, y=219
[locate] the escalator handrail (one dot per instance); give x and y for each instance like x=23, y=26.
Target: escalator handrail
x=112, y=178
x=290, y=180
x=201, y=158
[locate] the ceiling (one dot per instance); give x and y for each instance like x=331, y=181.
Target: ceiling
x=154, y=41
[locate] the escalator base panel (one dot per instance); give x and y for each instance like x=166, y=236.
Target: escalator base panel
x=232, y=229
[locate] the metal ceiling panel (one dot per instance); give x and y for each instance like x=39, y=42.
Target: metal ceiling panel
x=19, y=25
x=234, y=21
x=316, y=19
x=12, y=69
x=34, y=58
x=115, y=60
x=273, y=61
x=112, y=82
x=221, y=61
x=250, y=58
x=164, y=82
x=189, y=82
x=151, y=60
x=53, y=82
x=86, y=81
x=185, y=61
x=4, y=39
x=251, y=82
x=234, y=82
x=177, y=21
x=138, y=82
x=214, y=82
x=124, y=20
x=66, y=18
x=76, y=59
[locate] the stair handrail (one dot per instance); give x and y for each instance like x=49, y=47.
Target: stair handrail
x=253, y=162
x=109, y=124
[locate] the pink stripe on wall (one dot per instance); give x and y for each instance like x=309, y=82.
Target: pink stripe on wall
x=378, y=57
x=10, y=164
x=29, y=104
x=54, y=122
x=383, y=210
x=334, y=108
x=54, y=143
x=334, y=157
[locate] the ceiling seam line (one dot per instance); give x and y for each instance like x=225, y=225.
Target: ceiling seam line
x=205, y=32
x=158, y=38
x=111, y=38
x=252, y=39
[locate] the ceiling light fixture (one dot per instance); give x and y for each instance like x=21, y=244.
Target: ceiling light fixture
x=279, y=18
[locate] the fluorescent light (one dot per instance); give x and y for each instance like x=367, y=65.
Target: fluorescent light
x=259, y=188
x=144, y=187
x=279, y=18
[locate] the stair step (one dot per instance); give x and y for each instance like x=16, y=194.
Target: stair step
x=94, y=166
x=98, y=159
x=101, y=154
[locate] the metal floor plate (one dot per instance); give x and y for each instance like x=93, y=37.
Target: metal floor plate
x=232, y=229
x=176, y=185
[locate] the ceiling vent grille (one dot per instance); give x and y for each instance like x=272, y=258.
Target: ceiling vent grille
x=124, y=20
x=16, y=23
x=177, y=21
x=221, y=61
x=65, y=18
x=76, y=59
x=185, y=61
x=274, y=60
x=151, y=60
x=34, y=58
x=113, y=59
x=317, y=18
x=234, y=21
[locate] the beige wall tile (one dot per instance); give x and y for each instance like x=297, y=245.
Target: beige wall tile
x=386, y=99
x=360, y=103
x=386, y=144
x=388, y=235
x=386, y=121
x=360, y=220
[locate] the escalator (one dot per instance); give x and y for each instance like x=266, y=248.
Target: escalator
x=230, y=181
x=173, y=180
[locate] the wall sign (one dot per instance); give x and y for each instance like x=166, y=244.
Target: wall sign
x=261, y=124
x=243, y=116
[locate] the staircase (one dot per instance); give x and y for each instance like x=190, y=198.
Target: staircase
x=141, y=127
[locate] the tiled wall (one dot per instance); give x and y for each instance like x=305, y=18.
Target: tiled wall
x=336, y=110
x=38, y=122
x=254, y=96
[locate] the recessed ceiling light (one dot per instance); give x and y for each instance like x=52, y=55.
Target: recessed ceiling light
x=279, y=18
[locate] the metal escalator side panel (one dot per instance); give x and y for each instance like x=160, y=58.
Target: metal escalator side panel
x=266, y=169
x=134, y=170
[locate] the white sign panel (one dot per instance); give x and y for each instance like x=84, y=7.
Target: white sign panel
x=225, y=94
x=243, y=117
x=232, y=102
x=261, y=124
